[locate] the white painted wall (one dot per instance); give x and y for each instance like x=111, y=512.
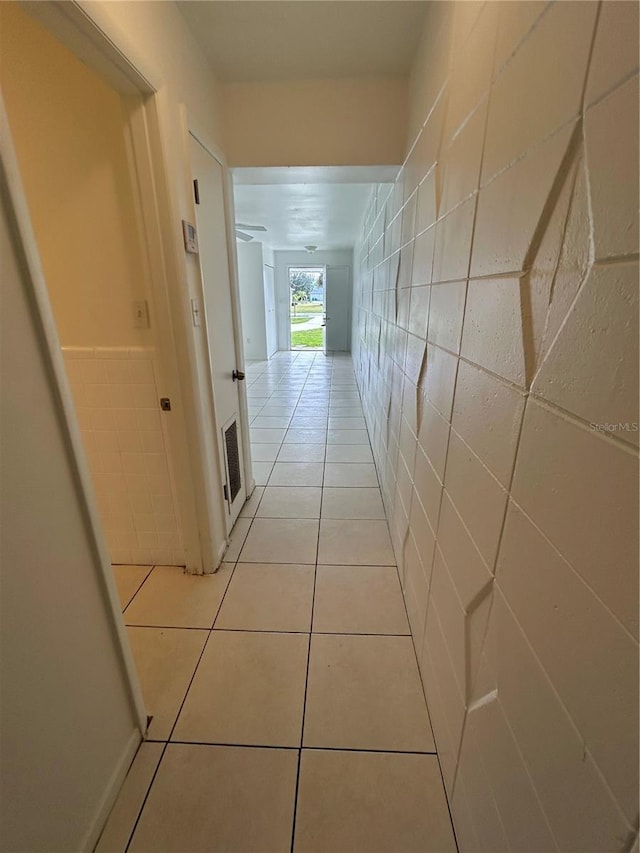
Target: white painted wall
x=268, y=255
x=270, y=301
x=252, y=299
x=266, y=124
x=284, y=260
x=67, y=726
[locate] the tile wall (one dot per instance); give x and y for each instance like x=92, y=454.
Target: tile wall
x=117, y=401
x=496, y=349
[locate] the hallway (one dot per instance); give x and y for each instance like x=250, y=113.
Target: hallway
x=466, y=174
x=304, y=715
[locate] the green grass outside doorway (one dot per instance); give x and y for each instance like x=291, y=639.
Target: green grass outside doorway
x=311, y=338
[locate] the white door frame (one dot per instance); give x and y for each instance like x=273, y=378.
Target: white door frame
x=266, y=285
x=84, y=28
x=349, y=269
x=191, y=127
x=309, y=266
x=140, y=132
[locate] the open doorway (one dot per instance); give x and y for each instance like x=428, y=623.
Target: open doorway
x=78, y=160
x=307, y=312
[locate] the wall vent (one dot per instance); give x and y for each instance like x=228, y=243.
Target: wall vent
x=233, y=460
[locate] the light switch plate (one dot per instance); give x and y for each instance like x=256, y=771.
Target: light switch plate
x=140, y=314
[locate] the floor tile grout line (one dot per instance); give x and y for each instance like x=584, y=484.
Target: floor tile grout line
x=306, y=682
x=365, y=749
x=282, y=631
x=368, y=750
x=168, y=741
x=244, y=541
x=264, y=489
x=206, y=643
x=166, y=627
x=277, y=630
x=312, y=563
x=184, y=699
x=146, y=577
x=229, y=745
x=148, y=791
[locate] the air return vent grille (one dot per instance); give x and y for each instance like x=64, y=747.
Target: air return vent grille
x=233, y=459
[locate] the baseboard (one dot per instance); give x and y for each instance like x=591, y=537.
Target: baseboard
x=111, y=792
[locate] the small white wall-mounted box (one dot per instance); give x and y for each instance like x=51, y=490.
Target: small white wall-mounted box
x=190, y=237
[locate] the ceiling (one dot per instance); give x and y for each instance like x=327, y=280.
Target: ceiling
x=312, y=205
x=295, y=40
x=314, y=174
x=297, y=215
x=270, y=40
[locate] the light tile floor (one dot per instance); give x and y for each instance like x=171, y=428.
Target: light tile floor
x=288, y=711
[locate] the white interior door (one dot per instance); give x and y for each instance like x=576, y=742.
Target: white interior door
x=337, y=306
x=216, y=285
x=270, y=310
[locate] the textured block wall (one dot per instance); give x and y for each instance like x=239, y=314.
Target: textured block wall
x=496, y=347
